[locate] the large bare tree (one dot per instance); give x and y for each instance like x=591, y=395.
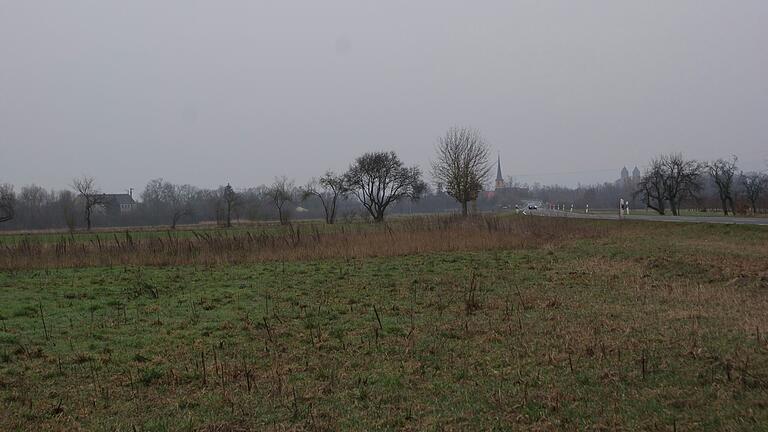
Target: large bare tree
x=7, y=202
x=682, y=179
x=379, y=179
x=670, y=179
x=754, y=184
x=282, y=192
x=85, y=187
x=462, y=164
x=723, y=172
x=651, y=187
x=328, y=189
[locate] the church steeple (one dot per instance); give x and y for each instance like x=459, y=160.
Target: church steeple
x=499, y=177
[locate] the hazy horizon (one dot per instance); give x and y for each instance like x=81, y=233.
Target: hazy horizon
x=242, y=91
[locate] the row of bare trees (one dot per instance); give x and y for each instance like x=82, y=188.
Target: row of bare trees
x=378, y=180
x=165, y=197
x=670, y=179
x=34, y=195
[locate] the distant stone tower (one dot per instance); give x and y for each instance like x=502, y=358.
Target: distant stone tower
x=624, y=174
x=636, y=175
x=499, y=177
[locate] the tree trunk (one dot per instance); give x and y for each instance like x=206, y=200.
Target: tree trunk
x=330, y=213
x=674, y=209
x=725, y=206
x=658, y=210
x=464, y=210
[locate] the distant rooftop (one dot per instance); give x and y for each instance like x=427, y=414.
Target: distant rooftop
x=120, y=199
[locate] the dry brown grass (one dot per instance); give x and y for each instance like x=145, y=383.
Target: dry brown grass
x=301, y=242
x=594, y=326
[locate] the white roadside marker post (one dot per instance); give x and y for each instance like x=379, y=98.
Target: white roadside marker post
x=621, y=208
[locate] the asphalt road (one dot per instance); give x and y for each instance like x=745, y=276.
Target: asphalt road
x=694, y=219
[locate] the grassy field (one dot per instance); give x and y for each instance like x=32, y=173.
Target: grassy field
x=536, y=323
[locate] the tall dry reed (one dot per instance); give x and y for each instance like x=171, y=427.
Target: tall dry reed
x=301, y=242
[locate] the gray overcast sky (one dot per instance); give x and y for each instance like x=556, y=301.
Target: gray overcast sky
x=206, y=92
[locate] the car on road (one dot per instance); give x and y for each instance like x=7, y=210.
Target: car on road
x=532, y=207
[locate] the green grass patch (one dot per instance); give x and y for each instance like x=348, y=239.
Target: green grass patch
x=660, y=327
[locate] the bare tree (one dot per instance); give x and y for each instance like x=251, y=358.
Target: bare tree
x=86, y=188
x=329, y=188
x=166, y=199
x=281, y=192
x=152, y=198
x=30, y=203
x=68, y=208
x=651, y=187
x=7, y=202
x=670, y=179
x=462, y=164
x=723, y=172
x=180, y=200
x=379, y=179
x=682, y=179
x=754, y=184
x=251, y=201
x=230, y=201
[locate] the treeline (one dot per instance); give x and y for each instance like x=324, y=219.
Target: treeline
x=378, y=183
x=671, y=182
x=38, y=208
x=375, y=184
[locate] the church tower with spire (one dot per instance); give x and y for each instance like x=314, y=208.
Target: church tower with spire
x=499, y=177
